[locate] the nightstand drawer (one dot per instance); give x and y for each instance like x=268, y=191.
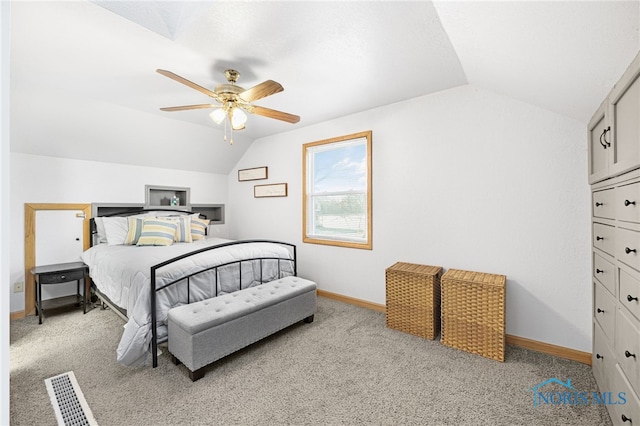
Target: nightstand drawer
x=56, y=278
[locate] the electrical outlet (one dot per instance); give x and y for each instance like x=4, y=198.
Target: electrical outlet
x=18, y=287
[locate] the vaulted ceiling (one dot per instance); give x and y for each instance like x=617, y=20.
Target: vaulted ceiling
x=83, y=80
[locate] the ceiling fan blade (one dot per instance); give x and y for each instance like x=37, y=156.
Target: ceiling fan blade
x=186, y=107
x=262, y=90
x=272, y=113
x=186, y=82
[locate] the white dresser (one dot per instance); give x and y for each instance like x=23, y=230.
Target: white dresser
x=614, y=173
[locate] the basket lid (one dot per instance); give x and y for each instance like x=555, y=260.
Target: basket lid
x=475, y=277
x=415, y=268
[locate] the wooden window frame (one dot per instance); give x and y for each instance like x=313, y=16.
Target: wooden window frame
x=368, y=244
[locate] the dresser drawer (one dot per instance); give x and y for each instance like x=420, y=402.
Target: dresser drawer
x=627, y=348
x=627, y=414
x=628, y=203
x=604, y=204
x=604, y=271
x=628, y=247
x=604, y=310
x=604, y=237
x=630, y=293
x=602, y=360
x=56, y=278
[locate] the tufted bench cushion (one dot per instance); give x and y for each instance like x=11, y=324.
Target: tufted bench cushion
x=203, y=332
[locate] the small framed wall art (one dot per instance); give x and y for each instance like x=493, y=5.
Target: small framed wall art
x=256, y=173
x=270, y=190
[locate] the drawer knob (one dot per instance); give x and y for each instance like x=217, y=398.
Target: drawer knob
x=599, y=204
x=625, y=419
x=599, y=238
x=631, y=298
x=629, y=203
x=629, y=354
x=628, y=250
x=600, y=311
x=598, y=356
x=62, y=277
x=599, y=271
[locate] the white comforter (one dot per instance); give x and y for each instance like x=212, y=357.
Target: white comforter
x=122, y=273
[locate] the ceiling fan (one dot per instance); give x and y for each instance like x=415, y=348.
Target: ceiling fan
x=233, y=100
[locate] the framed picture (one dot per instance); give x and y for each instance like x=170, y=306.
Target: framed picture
x=256, y=173
x=271, y=190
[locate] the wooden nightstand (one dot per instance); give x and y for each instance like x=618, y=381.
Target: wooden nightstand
x=58, y=274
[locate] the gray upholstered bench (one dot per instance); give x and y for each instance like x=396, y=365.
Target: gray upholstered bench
x=203, y=332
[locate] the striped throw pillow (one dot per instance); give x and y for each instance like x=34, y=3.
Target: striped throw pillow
x=135, y=229
x=198, y=228
x=183, y=233
x=157, y=232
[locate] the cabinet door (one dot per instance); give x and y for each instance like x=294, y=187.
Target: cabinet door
x=624, y=114
x=598, y=149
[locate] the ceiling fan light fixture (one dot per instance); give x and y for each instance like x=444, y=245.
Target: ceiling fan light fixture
x=218, y=115
x=238, y=118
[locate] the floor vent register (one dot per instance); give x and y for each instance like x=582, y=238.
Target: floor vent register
x=68, y=401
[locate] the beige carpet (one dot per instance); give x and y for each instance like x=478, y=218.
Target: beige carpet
x=346, y=368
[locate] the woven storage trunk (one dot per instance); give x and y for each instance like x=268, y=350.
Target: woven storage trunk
x=413, y=299
x=473, y=312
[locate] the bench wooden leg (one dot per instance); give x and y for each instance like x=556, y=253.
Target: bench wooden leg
x=308, y=319
x=174, y=360
x=197, y=375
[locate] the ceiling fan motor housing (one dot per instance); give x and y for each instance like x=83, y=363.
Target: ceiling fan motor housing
x=228, y=92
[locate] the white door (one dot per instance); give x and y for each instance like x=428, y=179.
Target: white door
x=59, y=239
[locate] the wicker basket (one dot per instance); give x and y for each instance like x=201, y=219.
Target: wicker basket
x=473, y=312
x=413, y=299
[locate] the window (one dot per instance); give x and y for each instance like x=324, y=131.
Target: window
x=337, y=191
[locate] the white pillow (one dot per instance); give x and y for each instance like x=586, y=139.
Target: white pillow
x=116, y=229
x=101, y=236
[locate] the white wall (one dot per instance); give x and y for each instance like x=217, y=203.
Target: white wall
x=462, y=179
x=39, y=179
x=4, y=207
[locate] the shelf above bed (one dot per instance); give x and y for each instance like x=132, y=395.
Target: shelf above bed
x=166, y=197
x=213, y=212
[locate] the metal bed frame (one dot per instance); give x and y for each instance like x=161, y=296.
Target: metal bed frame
x=154, y=288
